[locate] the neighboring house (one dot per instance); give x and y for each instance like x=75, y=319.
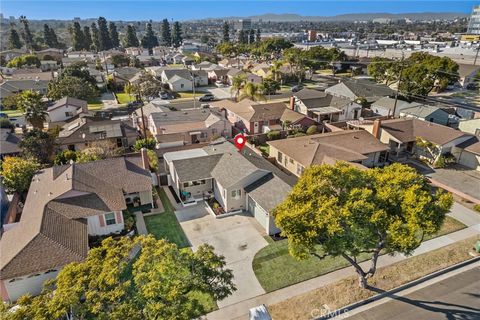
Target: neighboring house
x=181, y=79
x=430, y=114
x=468, y=74
x=66, y=204
x=218, y=75
x=255, y=186
x=355, y=146
x=9, y=143
x=50, y=53
x=324, y=107
x=81, y=133
x=359, y=88
x=400, y=136
x=386, y=105
x=12, y=87
x=48, y=65
x=294, y=120
x=207, y=66
x=252, y=117
x=146, y=110
x=32, y=74
x=13, y=53
x=125, y=75
x=66, y=109
x=470, y=126
x=175, y=128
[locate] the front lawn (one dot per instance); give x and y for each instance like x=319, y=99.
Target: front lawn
x=275, y=268
x=12, y=113
x=95, y=104
x=189, y=94
x=265, y=148
x=165, y=225
x=124, y=98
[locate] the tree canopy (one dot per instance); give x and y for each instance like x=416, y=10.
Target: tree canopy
x=149, y=40
x=163, y=282
x=28, y=60
x=17, y=173
x=165, y=32
x=14, y=39
x=37, y=144
x=348, y=211
x=131, y=39
x=31, y=104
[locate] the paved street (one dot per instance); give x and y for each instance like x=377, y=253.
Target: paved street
x=235, y=237
x=456, y=297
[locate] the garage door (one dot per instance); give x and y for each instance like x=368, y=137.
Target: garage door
x=469, y=160
x=257, y=212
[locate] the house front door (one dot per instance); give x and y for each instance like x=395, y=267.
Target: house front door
x=256, y=126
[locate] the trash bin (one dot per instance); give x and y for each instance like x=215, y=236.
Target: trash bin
x=477, y=246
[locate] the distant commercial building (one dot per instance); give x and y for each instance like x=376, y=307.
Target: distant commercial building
x=312, y=35
x=243, y=24
x=474, y=24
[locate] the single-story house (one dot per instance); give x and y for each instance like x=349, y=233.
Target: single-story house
x=66, y=109
x=355, y=146
x=400, y=136
x=468, y=153
x=252, y=117
x=84, y=131
x=48, y=65
x=13, y=53
x=50, y=53
x=360, y=88
x=66, y=204
x=471, y=126
x=12, y=87
x=181, y=79
x=322, y=106
x=430, y=114
x=255, y=187
x=218, y=75
x=175, y=128
x=294, y=120
x=468, y=74
x=385, y=106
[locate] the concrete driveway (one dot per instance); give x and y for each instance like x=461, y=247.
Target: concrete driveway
x=236, y=237
x=461, y=178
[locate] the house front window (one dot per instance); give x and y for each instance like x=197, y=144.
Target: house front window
x=300, y=169
x=279, y=157
x=236, y=194
x=110, y=219
x=68, y=114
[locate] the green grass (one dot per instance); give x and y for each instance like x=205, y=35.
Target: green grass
x=95, y=104
x=189, y=94
x=124, y=98
x=205, y=299
x=165, y=225
x=275, y=268
x=12, y=113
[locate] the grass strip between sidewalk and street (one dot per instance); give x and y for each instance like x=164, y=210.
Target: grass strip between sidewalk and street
x=345, y=292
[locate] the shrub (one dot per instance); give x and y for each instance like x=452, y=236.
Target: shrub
x=476, y=207
x=6, y=124
x=128, y=220
x=253, y=140
x=298, y=134
x=273, y=135
x=152, y=160
x=148, y=143
x=311, y=130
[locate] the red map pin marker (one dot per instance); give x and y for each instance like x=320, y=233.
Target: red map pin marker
x=239, y=141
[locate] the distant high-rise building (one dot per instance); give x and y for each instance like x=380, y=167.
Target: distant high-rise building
x=243, y=24
x=311, y=35
x=474, y=23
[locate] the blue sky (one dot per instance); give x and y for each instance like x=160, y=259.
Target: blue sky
x=184, y=9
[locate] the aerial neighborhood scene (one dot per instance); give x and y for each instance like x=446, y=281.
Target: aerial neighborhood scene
x=239, y=160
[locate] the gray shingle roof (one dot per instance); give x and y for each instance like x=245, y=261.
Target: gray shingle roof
x=8, y=142
x=268, y=191
x=192, y=169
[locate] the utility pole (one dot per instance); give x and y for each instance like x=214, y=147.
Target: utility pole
x=476, y=56
x=193, y=87
x=398, y=85
x=144, y=128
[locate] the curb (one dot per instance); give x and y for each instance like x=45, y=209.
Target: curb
x=408, y=285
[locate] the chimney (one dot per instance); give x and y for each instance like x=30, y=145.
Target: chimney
x=376, y=128
x=145, y=164
x=292, y=103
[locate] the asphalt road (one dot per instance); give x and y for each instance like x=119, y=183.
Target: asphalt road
x=457, y=297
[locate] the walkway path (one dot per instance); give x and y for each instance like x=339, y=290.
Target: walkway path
x=140, y=223
x=240, y=310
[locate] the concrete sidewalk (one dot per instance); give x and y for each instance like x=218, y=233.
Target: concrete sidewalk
x=465, y=215
x=240, y=310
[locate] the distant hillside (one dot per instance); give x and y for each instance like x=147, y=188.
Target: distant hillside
x=288, y=17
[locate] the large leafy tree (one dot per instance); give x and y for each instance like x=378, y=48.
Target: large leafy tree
x=177, y=34
x=149, y=40
x=50, y=37
x=350, y=212
x=165, y=32
x=226, y=32
x=383, y=70
x=17, y=173
x=87, y=38
x=270, y=86
x=69, y=86
x=131, y=39
x=26, y=60
x=78, y=70
x=78, y=37
x=95, y=37
x=26, y=33
x=252, y=91
x=31, y=104
x=37, y=144
x=163, y=282
x=238, y=82
x=112, y=29
x=13, y=38
x=103, y=35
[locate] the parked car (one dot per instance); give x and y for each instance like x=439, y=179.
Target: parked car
x=220, y=84
x=165, y=95
x=207, y=97
x=134, y=104
x=259, y=313
x=297, y=88
x=205, y=106
x=3, y=115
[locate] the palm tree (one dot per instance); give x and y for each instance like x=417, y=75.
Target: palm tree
x=33, y=108
x=252, y=91
x=275, y=68
x=238, y=82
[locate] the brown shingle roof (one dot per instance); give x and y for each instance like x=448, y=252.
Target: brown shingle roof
x=52, y=231
x=406, y=130
x=342, y=145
